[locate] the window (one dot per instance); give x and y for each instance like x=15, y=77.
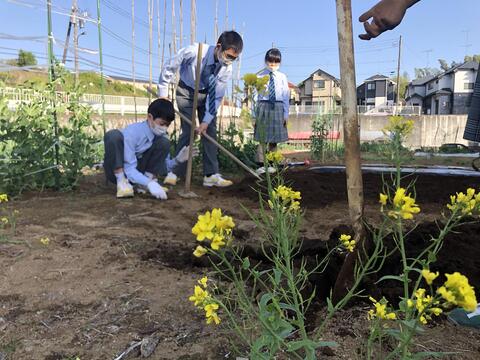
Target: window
x=371, y=86
x=319, y=84
x=468, y=86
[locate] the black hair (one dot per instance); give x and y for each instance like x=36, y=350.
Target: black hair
x=162, y=108
x=273, y=55
x=231, y=40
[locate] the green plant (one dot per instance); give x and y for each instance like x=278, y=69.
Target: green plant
x=265, y=304
x=39, y=153
x=418, y=304
x=234, y=141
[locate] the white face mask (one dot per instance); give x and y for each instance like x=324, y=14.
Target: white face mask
x=273, y=67
x=222, y=59
x=159, y=130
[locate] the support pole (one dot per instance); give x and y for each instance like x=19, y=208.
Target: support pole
x=352, y=143
x=150, y=44
x=51, y=64
x=193, y=21
x=133, y=60
x=188, y=178
x=100, y=52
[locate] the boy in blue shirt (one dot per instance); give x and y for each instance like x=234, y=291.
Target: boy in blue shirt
x=140, y=152
x=215, y=74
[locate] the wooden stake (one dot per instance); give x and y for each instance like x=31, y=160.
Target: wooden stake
x=193, y=124
x=193, y=21
x=352, y=144
x=150, y=39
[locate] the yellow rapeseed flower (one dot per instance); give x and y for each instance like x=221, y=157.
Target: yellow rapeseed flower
x=4, y=220
x=404, y=205
x=199, y=295
x=3, y=198
x=429, y=276
x=347, y=243
x=380, y=310
x=275, y=157
x=288, y=197
x=199, y=251
x=217, y=242
x=458, y=291
x=45, y=241
x=211, y=313
x=203, y=281
x=465, y=204
x=204, y=227
x=383, y=199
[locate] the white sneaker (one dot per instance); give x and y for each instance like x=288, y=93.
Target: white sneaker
x=263, y=170
x=170, y=179
x=216, y=180
x=144, y=190
x=124, y=189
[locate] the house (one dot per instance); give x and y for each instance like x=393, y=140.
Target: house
x=447, y=93
x=320, y=89
x=376, y=91
x=294, y=94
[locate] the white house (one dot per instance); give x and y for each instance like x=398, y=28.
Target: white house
x=447, y=93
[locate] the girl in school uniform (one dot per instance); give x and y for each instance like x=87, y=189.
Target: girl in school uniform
x=272, y=107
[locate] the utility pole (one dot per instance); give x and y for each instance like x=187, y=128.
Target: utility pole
x=397, y=102
x=69, y=30
x=75, y=39
x=193, y=21
x=352, y=145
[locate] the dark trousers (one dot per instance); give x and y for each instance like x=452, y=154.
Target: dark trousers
x=152, y=160
x=209, y=150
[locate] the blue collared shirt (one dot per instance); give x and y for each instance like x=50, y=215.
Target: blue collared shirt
x=282, y=92
x=138, y=138
x=186, y=61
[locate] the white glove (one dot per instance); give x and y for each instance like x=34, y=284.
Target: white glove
x=156, y=190
x=182, y=155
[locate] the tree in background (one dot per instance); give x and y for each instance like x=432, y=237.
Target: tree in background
x=26, y=58
x=425, y=72
x=472, y=58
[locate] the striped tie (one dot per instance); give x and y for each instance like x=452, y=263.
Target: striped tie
x=271, y=89
x=211, y=95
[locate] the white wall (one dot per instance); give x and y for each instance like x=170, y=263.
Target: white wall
x=462, y=77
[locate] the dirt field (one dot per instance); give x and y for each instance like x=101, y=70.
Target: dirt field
x=117, y=271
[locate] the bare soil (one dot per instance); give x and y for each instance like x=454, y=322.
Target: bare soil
x=117, y=271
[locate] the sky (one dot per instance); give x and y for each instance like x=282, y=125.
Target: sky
x=304, y=30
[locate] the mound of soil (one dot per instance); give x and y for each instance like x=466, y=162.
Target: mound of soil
x=320, y=190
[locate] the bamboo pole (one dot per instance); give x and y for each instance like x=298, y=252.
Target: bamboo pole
x=51, y=64
x=100, y=52
x=150, y=44
x=216, y=21
x=174, y=29
x=133, y=60
x=193, y=21
x=352, y=144
x=75, y=41
x=193, y=124
x=164, y=30
x=180, y=10
x=158, y=38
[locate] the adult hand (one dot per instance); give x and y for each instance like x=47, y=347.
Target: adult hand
x=156, y=190
x=385, y=15
x=182, y=155
x=202, y=128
